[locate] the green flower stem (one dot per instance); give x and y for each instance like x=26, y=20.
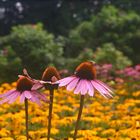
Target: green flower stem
x=26, y=117
x=50, y=112
x=79, y=116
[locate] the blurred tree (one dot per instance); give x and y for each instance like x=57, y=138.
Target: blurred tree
x=72, y=63
x=108, y=54
x=35, y=47
x=10, y=65
x=110, y=25
x=58, y=16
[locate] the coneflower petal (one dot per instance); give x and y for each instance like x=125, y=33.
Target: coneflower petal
x=104, y=85
x=7, y=93
x=7, y=98
x=35, y=99
x=84, y=88
x=81, y=87
x=4, y=101
x=22, y=98
x=77, y=89
x=40, y=95
x=90, y=88
x=27, y=94
x=37, y=86
x=14, y=97
x=65, y=81
x=72, y=84
x=101, y=89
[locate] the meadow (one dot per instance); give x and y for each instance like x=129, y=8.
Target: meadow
x=35, y=35
x=102, y=119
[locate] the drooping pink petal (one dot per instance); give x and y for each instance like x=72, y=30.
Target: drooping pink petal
x=14, y=97
x=8, y=97
x=72, y=84
x=27, y=94
x=84, y=88
x=37, y=86
x=65, y=81
x=90, y=88
x=101, y=89
x=40, y=95
x=4, y=100
x=7, y=93
x=105, y=86
x=81, y=87
x=78, y=88
x=35, y=99
x=22, y=98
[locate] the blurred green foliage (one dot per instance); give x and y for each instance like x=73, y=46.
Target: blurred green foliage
x=35, y=47
x=109, y=54
x=110, y=25
x=86, y=54
x=110, y=36
x=10, y=65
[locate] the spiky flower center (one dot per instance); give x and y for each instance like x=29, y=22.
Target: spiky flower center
x=86, y=70
x=24, y=83
x=49, y=73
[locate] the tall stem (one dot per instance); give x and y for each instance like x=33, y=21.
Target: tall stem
x=79, y=116
x=50, y=112
x=26, y=117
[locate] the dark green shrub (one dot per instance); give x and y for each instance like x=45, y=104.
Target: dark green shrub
x=35, y=47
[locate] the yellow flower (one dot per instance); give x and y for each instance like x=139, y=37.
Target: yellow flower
x=136, y=94
x=4, y=132
x=110, y=132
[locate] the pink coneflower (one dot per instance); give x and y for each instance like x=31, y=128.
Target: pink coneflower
x=25, y=92
x=84, y=82
x=50, y=75
x=48, y=80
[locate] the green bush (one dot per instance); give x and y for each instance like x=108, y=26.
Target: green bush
x=85, y=55
x=105, y=54
x=35, y=47
x=10, y=65
x=109, y=54
x=109, y=25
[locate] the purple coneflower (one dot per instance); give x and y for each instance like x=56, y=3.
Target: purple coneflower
x=48, y=80
x=84, y=82
x=50, y=75
x=25, y=92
